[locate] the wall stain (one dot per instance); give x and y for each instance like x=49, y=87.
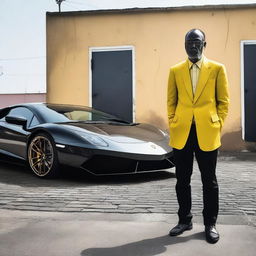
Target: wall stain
x=152, y=118
x=228, y=25
x=233, y=141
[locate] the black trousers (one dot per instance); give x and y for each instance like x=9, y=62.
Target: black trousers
x=184, y=167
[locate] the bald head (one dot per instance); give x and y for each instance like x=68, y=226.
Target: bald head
x=191, y=33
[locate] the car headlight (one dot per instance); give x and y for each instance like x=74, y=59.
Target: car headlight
x=93, y=139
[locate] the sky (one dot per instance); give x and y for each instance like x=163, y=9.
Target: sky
x=23, y=35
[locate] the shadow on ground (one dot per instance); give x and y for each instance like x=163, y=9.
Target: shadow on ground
x=19, y=174
x=147, y=247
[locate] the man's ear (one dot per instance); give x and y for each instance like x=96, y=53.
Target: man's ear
x=204, y=44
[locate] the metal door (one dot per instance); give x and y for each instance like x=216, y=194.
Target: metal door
x=250, y=92
x=112, y=82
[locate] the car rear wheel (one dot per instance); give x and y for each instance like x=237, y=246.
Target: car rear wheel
x=42, y=156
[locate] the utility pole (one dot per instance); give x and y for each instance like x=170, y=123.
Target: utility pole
x=59, y=4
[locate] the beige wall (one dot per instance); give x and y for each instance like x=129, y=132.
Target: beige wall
x=158, y=38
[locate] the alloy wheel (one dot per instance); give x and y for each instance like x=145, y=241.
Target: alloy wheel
x=41, y=155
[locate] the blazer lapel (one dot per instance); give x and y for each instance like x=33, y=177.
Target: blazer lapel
x=203, y=77
x=187, y=80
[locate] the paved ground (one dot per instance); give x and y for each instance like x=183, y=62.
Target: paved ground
x=122, y=216
x=148, y=193
x=25, y=233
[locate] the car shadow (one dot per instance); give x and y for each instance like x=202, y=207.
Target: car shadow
x=147, y=247
x=19, y=174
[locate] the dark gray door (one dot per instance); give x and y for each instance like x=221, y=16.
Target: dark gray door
x=250, y=92
x=112, y=83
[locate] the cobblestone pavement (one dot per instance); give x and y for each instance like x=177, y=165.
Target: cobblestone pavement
x=147, y=193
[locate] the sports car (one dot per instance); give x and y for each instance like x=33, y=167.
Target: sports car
x=49, y=135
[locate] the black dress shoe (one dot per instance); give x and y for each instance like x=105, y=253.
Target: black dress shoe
x=180, y=228
x=211, y=234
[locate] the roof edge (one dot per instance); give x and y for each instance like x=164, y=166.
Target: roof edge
x=153, y=9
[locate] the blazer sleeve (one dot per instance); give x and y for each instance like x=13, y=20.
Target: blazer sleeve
x=171, y=96
x=222, y=94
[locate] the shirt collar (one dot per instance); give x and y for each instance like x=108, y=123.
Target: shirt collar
x=198, y=63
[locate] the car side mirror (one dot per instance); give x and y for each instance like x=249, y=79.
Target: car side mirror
x=16, y=120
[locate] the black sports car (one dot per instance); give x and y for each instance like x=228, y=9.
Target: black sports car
x=47, y=135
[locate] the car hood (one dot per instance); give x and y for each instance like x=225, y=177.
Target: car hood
x=120, y=133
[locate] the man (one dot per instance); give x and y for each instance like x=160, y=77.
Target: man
x=197, y=107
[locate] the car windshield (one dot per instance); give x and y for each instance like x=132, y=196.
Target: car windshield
x=68, y=113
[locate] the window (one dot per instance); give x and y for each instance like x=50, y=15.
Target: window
x=34, y=121
x=24, y=112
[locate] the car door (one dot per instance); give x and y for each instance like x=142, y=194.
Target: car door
x=13, y=139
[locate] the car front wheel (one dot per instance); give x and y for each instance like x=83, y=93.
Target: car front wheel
x=42, y=156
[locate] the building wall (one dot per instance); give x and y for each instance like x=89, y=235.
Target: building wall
x=158, y=38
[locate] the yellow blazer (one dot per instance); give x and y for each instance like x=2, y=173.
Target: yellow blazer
x=209, y=105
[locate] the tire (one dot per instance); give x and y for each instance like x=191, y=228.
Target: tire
x=42, y=156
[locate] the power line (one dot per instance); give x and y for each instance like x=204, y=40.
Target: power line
x=73, y=6
x=39, y=74
x=81, y=4
x=75, y=2
x=24, y=58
